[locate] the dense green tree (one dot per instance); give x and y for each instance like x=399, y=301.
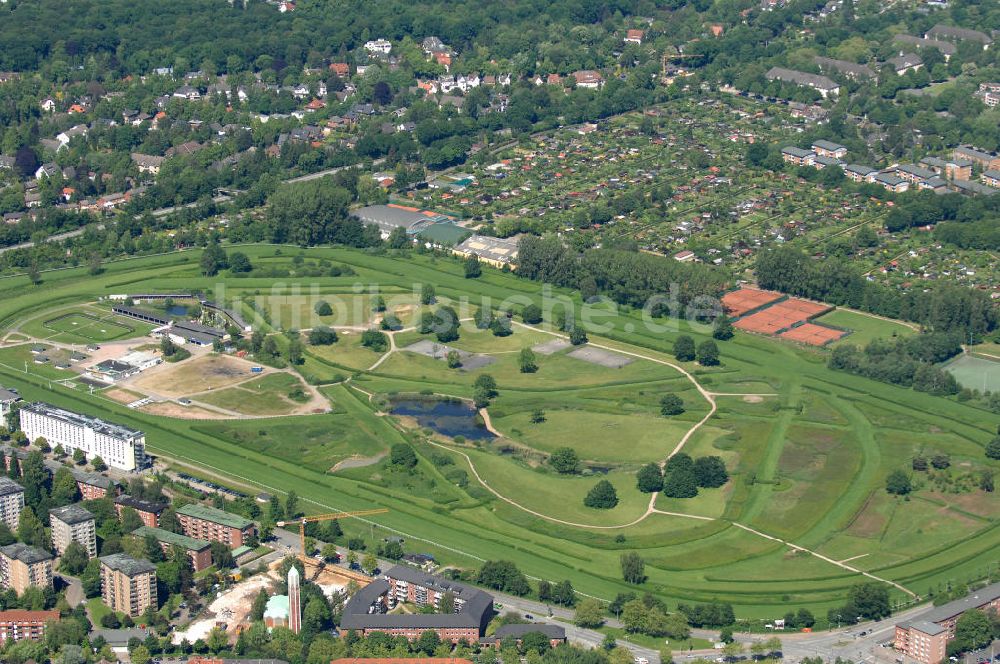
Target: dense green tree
x=671, y=404
x=601, y=496
x=898, y=483
x=323, y=308
x=633, y=567
x=708, y=353
x=565, y=460
x=531, y=314
x=649, y=479
x=723, y=328
x=473, y=268
x=710, y=471
x=684, y=350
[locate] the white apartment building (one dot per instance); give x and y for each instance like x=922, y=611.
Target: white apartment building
x=382, y=46
x=119, y=446
x=73, y=523
x=11, y=502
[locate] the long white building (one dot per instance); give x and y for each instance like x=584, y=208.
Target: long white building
x=119, y=446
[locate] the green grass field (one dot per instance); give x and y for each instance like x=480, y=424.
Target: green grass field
x=863, y=328
x=807, y=464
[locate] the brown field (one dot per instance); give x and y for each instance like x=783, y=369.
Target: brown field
x=198, y=374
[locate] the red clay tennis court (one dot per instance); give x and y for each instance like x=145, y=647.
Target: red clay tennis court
x=743, y=300
x=814, y=335
x=780, y=316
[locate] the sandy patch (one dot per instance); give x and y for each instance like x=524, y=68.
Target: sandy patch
x=121, y=396
x=232, y=608
x=197, y=374
x=752, y=398
x=171, y=409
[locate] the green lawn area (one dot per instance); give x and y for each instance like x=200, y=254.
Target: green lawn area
x=20, y=358
x=863, y=328
x=347, y=352
x=97, y=609
x=268, y=395
x=597, y=436
x=315, y=441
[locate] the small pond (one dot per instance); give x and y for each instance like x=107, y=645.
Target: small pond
x=448, y=418
x=177, y=310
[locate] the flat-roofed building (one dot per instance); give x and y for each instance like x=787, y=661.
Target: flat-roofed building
x=11, y=502
x=991, y=178
x=23, y=566
x=925, y=637
x=829, y=149
x=128, y=585
x=985, y=160
x=208, y=523
x=16, y=625
x=93, y=486
x=495, y=251
x=390, y=217
x=119, y=446
x=952, y=169
x=891, y=182
x=199, y=551
x=798, y=156
x=8, y=397
x=859, y=172
x=148, y=511
x=73, y=523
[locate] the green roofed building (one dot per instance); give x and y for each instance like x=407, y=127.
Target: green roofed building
x=214, y=525
x=444, y=234
x=200, y=551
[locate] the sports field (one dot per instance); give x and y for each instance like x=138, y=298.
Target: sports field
x=807, y=449
x=975, y=372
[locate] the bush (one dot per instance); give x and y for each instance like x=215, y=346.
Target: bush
x=532, y=314
x=323, y=308
x=375, y=340
x=601, y=496
x=402, y=455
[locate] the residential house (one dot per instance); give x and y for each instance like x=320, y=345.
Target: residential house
x=798, y=156
x=341, y=69
x=147, y=163
x=851, y=70
x=128, y=585
x=11, y=502
x=432, y=45
x=952, y=169
x=187, y=92
x=985, y=160
x=947, y=49
x=23, y=566
x=823, y=85
x=47, y=170
x=73, y=523
x=859, y=173
x=828, y=149
x=16, y=624
x=73, y=132
x=588, y=78
x=891, y=182
x=382, y=46
x=991, y=177
x=634, y=36
x=905, y=62
x=952, y=33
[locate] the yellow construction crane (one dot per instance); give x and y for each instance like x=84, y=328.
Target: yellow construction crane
x=302, y=521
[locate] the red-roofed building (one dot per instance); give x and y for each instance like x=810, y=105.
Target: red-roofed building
x=341, y=69
x=18, y=625
x=634, y=36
